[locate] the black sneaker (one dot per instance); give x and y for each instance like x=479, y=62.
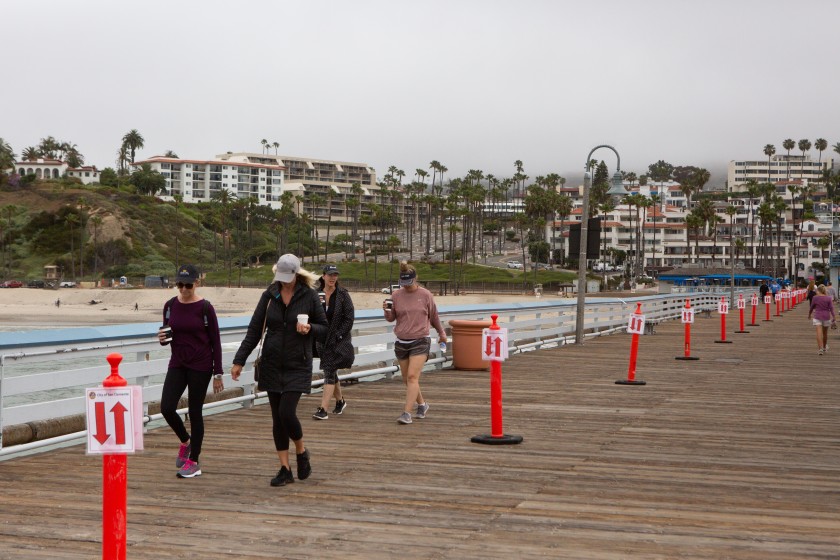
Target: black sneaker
x=340, y=406
x=321, y=414
x=284, y=477
x=303, y=467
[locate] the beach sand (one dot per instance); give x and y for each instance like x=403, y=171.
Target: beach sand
x=22, y=307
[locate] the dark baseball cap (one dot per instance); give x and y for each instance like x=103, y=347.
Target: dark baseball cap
x=407, y=278
x=188, y=274
x=331, y=269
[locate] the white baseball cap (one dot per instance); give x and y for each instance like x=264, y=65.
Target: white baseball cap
x=286, y=268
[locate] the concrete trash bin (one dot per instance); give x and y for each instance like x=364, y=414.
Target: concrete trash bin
x=466, y=344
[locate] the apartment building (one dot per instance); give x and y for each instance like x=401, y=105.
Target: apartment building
x=202, y=180
x=332, y=181
x=54, y=169
x=780, y=167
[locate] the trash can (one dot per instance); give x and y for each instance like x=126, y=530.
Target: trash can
x=466, y=344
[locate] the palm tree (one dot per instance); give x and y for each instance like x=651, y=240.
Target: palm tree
x=823, y=243
x=752, y=192
x=264, y=143
x=72, y=219
x=804, y=146
x=133, y=141
x=769, y=151
x=794, y=190
x=731, y=211
x=788, y=145
x=655, y=200
x=693, y=222
x=96, y=221
x=276, y=147
x=170, y=154
x=30, y=153
x=780, y=207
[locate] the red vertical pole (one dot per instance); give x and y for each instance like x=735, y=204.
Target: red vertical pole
x=741, y=321
x=767, y=311
x=496, y=430
x=777, y=306
x=497, y=435
x=114, y=482
x=687, y=344
x=723, y=327
x=754, y=306
x=634, y=352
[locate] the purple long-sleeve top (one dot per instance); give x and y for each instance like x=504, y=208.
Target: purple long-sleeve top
x=195, y=346
x=822, y=308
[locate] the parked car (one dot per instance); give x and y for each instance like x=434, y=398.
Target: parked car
x=68, y=284
x=391, y=289
x=541, y=266
x=603, y=267
x=12, y=284
x=514, y=264
x=35, y=284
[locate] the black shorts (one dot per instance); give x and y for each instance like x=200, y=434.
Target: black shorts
x=330, y=377
x=421, y=346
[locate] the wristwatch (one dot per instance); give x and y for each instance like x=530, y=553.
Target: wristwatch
x=218, y=376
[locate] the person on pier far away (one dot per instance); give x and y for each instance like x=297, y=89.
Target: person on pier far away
x=292, y=314
x=337, y=350
x=830, y=291
x=811, y=290
x=196, y=357
x=414, y=310
x=762, y=291
x=822, y=310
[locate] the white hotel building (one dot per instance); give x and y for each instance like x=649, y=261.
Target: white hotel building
x=266, y=177
x=780, y=167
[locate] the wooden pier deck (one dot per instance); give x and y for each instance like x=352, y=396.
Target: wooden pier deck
x=735, y=456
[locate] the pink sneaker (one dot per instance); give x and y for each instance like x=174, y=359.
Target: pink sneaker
x=189, y=470
x=183, y=454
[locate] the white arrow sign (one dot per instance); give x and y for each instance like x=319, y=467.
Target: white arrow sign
x=114, y=420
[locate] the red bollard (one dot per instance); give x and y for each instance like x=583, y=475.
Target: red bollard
x=114, y=482
x=754, y=304
x=497, y=436
x=635, y=326
x=687, y=319
x=778, y=298
x=767, y=319
x=723, y=310
x=742, y=304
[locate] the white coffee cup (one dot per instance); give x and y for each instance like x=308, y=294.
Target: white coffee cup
x=303, y=319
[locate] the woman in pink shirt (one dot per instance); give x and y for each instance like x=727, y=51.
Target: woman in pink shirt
x=414, y=310
x=822, y=310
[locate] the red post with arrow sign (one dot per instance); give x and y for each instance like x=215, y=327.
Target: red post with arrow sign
x=494, y=348
x=114, y=476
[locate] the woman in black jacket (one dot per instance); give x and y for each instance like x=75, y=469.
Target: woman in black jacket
x=286, y=360
x=337, y=350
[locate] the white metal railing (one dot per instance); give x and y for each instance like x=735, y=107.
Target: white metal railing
x=42, y=381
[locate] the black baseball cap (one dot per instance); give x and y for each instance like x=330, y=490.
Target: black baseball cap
x=330, y=269
x=407, y=278
x=187, y=274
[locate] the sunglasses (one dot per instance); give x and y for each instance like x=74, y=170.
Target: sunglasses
x=182, y=285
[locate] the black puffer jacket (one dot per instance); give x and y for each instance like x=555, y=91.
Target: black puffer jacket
x=286, y=355
x=337, y=352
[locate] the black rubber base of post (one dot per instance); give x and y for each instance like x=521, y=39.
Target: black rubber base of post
x=723, y=342
x=686, y=358
x=742, y=332
x=628, y=382
x=767, y=320
x=505, y=439
x=753, y=325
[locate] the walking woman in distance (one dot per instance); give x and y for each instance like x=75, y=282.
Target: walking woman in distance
x=191, y=329
x=822, y=311
x=414, y=310
x=291, y=314
x=337, y=350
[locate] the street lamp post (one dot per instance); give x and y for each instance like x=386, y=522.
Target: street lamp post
x=616, y=189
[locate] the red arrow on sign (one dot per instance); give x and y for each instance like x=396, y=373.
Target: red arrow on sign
x=489, y=348
x=119, y=421
x=101, y=434
x=498, y=346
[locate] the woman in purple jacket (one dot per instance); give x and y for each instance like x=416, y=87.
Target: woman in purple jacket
x=196, y=357
x=822, y=310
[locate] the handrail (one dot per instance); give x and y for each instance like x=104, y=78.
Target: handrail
x=36, y=392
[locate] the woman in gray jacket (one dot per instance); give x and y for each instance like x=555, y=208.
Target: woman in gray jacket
x=286, y=361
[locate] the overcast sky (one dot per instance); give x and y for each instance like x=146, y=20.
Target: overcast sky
x=472, y=84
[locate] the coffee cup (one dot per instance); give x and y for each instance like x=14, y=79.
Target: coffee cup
x=167, y=333
x=303, y=319
x=323, y=297
x=389, y=303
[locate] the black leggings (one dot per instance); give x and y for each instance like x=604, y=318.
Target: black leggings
x=285, y=423
x=178, y=379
